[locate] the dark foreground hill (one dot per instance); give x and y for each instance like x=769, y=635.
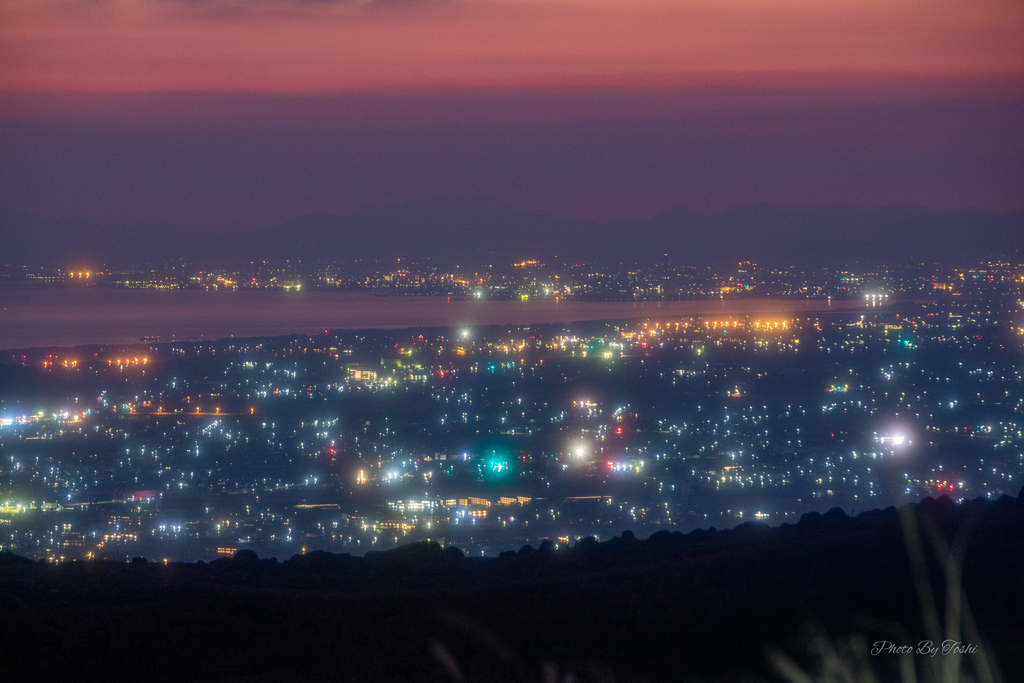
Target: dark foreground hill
x=703, y=606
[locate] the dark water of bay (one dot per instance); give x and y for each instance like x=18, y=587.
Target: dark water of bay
x=70, y=317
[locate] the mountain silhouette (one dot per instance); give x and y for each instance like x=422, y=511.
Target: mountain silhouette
x=483, y=233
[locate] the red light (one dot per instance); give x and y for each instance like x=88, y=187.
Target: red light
x=618, y=430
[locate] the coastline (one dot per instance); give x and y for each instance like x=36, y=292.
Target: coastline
x=55, y=319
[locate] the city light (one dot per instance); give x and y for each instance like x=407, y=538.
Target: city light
x=438, y=427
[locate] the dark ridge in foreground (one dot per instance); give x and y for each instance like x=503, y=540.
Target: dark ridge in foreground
x=706, y=605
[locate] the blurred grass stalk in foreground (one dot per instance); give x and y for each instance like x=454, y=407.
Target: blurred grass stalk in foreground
x=848, y=660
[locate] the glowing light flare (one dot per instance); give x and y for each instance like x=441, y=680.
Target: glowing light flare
x=128, y=362
x=895, y=440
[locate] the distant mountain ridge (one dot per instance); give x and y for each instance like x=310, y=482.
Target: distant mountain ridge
x=480, y=233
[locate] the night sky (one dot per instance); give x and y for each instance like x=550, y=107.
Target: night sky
x=241, y=112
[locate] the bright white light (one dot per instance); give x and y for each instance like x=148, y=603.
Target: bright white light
x=894, y=440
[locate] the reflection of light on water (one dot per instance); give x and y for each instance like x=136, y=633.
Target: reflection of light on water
x=68, y=317
x=876, y=299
